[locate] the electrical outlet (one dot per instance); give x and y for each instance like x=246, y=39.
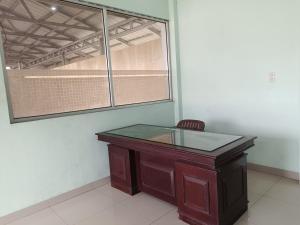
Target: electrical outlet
x=272, y=77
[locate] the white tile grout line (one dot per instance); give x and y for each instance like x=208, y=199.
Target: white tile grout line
x=47, y=208
x=265, y=192
x=280, y=200
x=63, y=221
x=94, y=214
x=271, y=186
x=157, y=219
x=49, y=204
x=261, y=196
x=76, y=195
x=122, y=202
x=277, y=182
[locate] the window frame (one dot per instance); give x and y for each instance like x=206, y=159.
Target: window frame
x=105, y=10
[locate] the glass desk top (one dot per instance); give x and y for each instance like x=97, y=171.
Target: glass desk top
x=203, y=141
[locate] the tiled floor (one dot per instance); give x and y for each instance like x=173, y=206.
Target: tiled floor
x=273, y=201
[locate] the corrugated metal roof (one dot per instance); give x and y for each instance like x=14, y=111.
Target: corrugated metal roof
x=37, y=29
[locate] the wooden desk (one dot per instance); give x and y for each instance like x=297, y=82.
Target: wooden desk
x=204, y=174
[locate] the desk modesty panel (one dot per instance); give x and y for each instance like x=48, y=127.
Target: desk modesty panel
x=203, y=173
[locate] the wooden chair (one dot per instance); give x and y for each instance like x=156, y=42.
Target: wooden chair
x=197, y=125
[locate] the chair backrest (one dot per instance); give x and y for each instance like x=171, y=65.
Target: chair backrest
x=191, y=125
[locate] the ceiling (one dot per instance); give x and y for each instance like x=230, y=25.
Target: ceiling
x=45, y=34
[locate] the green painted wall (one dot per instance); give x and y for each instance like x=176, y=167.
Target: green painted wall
x=157, y=8
x=42, y=159
x=175, y=59
x=228, y=50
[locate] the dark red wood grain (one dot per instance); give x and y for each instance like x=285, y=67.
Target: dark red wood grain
x=157, y=177
x=122, y=169
x=197, y=194
x=197, y=125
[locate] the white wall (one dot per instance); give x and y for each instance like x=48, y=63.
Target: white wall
x=228, y=49
x=45, y=158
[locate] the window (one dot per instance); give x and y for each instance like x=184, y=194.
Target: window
x=64, y=57
x=139, y=56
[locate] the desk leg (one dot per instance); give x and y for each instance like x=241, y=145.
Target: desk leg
x=122, y=169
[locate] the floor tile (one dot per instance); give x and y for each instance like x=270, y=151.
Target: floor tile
x=169, y=219
x=113, y=193
x=253, y=197
x=84, y=206
x=272, y=201
x=242, y=222
x=45, y=217
x=141, y=209
x=260, y=183
x=286, y=190
x=268, y=211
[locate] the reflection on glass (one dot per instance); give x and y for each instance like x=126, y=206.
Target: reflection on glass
x=139, y=55
x=203, y=141
x=57, y=64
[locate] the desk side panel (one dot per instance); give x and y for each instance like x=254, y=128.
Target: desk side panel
x=232, y=185
x=122, y=169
